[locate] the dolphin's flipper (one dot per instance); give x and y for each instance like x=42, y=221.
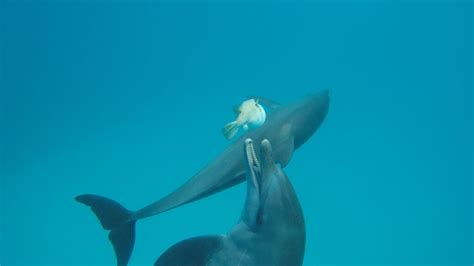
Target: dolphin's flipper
x=267, y=102
x=194, y=251
x=116, y=218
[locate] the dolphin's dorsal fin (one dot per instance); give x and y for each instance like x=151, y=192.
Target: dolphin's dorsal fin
x=194, y=251
x=265, y=101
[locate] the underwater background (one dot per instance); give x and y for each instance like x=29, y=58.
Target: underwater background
x=127, y=100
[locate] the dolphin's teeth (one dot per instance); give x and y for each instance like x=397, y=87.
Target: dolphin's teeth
x=251, y=155
x=255, y=161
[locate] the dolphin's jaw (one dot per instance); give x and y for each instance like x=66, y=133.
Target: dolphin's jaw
x=266, y=155
x=260, y=177
x=271, y=204
x=253, y=164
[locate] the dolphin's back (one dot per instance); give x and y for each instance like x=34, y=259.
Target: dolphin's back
x=214, y=250
x=198, y=251
x=225, y=171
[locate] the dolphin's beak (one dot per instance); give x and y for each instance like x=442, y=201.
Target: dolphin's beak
x=267, y=161
x=253, y=165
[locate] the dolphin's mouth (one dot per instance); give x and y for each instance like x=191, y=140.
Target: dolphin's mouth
x=253, y=162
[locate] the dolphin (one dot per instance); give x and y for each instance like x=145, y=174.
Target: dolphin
x=287, y=128
x=271, y=230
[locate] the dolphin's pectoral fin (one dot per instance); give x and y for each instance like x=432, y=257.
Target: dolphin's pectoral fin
x=267, y=102
x=194, y=251
x=284, y=151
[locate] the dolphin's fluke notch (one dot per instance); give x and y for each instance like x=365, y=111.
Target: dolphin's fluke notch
x=116, y=218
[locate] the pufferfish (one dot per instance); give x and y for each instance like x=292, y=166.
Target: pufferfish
x=249, y=113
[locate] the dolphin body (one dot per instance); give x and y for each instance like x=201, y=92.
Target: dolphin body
x=287, y=128
x=271, y=230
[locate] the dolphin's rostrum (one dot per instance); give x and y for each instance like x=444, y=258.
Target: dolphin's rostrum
x=287, y=128
x=271, y=230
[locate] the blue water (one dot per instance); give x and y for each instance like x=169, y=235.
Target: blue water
x=127, y=100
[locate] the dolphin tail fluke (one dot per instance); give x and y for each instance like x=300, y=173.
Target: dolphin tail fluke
x=230, y=130
x=116, y=218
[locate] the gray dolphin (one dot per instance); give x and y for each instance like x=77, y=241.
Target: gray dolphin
x=287, y=128
x=271, y=230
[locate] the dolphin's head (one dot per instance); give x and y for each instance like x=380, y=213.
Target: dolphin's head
x=308, y=115
x=272, y=204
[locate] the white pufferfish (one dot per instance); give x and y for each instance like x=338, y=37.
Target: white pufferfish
x=249, y=113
